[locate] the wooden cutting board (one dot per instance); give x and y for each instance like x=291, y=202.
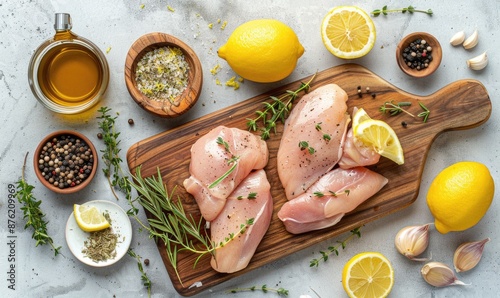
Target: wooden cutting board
x=461, y=105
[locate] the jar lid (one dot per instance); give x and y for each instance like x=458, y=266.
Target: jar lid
x=62, y=22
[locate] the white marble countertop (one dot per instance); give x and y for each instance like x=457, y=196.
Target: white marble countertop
x=117, y=24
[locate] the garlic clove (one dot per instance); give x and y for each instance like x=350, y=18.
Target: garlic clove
x=468, y=255
x=439, y=275
x=478, y=62
x=458, y=38
x=471, y=41
x=412, y=241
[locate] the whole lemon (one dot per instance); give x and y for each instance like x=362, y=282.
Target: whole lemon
x=460, y=195
x=263, y=50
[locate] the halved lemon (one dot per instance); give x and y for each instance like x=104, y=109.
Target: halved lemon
x=368, y=275
x=382, y=138
x=348, y=32
x=89, y=218
x=359, y=116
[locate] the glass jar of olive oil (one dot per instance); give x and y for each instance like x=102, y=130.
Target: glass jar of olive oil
x=68, y=74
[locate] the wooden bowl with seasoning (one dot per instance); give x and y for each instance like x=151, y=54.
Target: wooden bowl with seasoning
x=65, y=161
x=178, y=88
x=419, y=61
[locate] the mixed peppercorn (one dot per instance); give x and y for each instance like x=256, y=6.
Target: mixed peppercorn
x=418, y=54
x=66, y=161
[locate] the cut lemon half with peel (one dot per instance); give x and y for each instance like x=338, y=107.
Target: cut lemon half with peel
x=368, y=275
x=348, y=32
x=89, y=218
x=382, y=138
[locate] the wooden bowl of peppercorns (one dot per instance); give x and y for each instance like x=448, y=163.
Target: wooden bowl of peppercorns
x=419, y=54
x=163, y=75
x=65, y=161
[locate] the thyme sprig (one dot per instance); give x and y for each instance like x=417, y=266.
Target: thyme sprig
x=33, y=214
x=111, y=155
x=171, y=224
x=335, y=249
x=326, y=136
x=263, y=288
x=304, y=145
x=277, y=110
x=233, y=162
x=320, y=194
x=144, y=277
x=410, y=9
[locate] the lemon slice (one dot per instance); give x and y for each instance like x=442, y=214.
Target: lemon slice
x=368, y=275
x=89, y=218
x=359, y=116
x=382, y=138
x=348, y=32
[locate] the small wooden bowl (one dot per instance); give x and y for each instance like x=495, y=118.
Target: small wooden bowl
x=437, y=54
x=69, y=189
x=163, y=108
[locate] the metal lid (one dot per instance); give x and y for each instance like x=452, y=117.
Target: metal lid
x=62, y=22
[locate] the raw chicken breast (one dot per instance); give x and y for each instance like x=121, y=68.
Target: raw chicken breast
x=310, y=211
x=355, y=153
x=236, y=255
x=320, y=112
x=210, y=161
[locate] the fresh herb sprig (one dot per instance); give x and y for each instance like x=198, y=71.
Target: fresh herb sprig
x=276, y=110
x=233, y=162
x=335, y=249
x=144, y=277
x=111, y=155
x=326, y=136
x=410, y=9
x=33, y=214
x=263, y=288
x=425, y=114
x=320, y=194
x=304, y=145
x=171, y=224
x=394, y=109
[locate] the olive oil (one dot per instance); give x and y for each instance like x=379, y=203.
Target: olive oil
x=70, y=75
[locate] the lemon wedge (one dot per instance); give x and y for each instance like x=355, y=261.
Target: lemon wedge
x=89, y=218
x=381, y=137
x=348, y=32
x=368, y=275
x=359, y=116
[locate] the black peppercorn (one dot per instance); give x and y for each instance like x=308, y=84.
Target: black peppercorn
x=131, y=121
x=146, y=262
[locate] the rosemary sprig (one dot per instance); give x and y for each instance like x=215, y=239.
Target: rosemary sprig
x=395, y=108
x=335, y=249
x=112, y=161
x=171, y=224
x=277, y=110
x=263, y=288
x=425, y=114
x=144, y=277
x=410, y=9
x=33, y=214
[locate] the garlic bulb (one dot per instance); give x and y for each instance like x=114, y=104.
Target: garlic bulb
x=478, y=62
x=458, y=38
x=439, y=275
x=468, y=255
x=471, y=41
x=411, y=241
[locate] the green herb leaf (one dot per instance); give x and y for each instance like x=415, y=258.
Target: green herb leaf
x=410, y=9
x=334, y=249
